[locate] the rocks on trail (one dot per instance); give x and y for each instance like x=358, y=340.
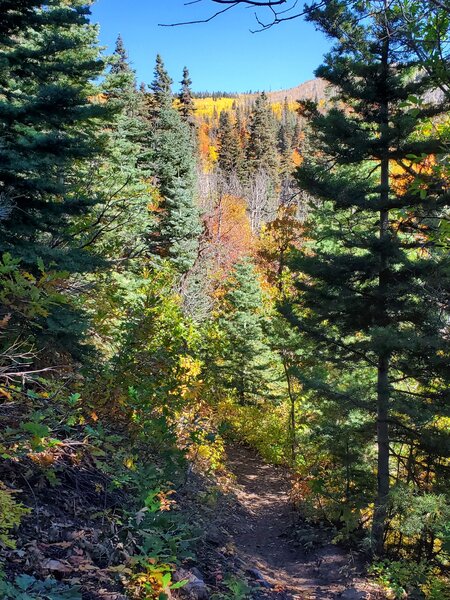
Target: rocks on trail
x=195, y=588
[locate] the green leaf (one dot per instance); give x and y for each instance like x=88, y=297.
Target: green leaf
x=36, y=429
x=25, y=581
x=179, y=584
x=40, y=264
x=166, y=579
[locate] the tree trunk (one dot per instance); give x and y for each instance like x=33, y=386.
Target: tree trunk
x=383, y=391
x=379, y=517
x=292, y=423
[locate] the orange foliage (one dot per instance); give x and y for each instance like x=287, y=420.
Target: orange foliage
x=297, y=158
x=277, y=238
x=404, y=176
x=98, y=98
x=203, y=140
x=229, y=233
x=414, y=176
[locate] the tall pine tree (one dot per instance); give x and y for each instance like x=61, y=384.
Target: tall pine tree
x=49, y=124
x=161, y=86
x=375, y=280
x=119, y=224
x=230, y=159
x=262, y=143
x=247, y=366
x=172, y=162
x=187, y=107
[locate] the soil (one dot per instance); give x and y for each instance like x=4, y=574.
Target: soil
x=261, y=528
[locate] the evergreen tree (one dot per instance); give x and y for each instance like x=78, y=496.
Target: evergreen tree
x=247, y=365
x=241, y=132
x=121, y=64
x=187, y=107
x=172, y=161
x=371, y=291
x=262, y=143
x=48, y=126
x=120, y=221
x=161, y=86
x=230, y=159
x=287, y=138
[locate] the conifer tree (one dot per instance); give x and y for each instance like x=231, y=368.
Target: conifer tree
x=287, y=135
x=371, y=291
x=48, y=124
x=187, y=107
x=161, y=85
x=120, y=221
x=230, y=159
x=172, y=161
x=247, y=367
x=262, y=144
x=121, y=64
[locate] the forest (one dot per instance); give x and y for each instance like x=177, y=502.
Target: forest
x=224, y=318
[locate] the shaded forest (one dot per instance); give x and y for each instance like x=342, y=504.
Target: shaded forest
x=187, y=280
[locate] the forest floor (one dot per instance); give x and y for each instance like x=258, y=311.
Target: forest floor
x=248, y=544
x=260, y=527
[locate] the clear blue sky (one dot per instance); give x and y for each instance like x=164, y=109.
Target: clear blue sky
x=220, y=55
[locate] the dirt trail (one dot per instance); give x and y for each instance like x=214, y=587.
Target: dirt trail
x=259, y=529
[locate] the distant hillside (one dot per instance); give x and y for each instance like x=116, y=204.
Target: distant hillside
x=314, y=89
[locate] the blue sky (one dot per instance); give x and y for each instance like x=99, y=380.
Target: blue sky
x=221, y=55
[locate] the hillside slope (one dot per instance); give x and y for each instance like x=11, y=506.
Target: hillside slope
x=314, y=89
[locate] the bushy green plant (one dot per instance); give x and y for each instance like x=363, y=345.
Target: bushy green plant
x=423, y=520
x=401, y=577
x=237, y=589
x=436, y=588
x=11, y=513
x=26, y=587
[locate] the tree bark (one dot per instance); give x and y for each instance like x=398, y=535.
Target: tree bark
x=383, y=390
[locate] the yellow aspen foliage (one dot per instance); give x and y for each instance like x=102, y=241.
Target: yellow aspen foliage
x=278, y=107
x=213, y=155
x=205, y=107
x=204, y=142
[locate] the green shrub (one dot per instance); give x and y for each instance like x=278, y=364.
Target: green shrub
x=11, y=513
x=411, y=579
x=26, y=587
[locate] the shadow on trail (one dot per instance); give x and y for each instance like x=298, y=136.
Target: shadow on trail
x=259, y=529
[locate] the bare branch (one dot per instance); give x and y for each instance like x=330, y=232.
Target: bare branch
x=269, y=4
x=207, y=20
x=259, y=3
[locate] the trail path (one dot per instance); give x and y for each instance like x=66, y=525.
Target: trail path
x=259, y=529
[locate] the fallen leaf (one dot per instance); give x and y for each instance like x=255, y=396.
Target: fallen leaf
x=57, y=566
x=140, y=515
x=62, y=545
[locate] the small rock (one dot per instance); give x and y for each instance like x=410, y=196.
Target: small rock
x=353, y=594
x=54, y=534
x=259, y=577
x=197, y=573
x=195, y=588
x=256, y=573
x=214, y=536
